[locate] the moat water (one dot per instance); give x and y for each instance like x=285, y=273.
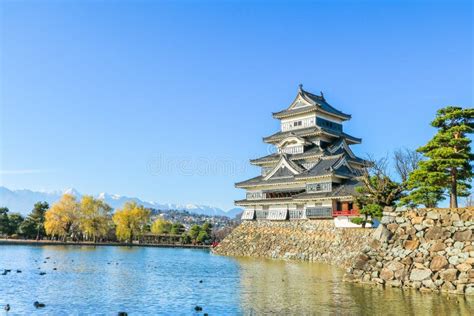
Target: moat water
x=86, y=280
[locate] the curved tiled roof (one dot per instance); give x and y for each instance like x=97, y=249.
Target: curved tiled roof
x=347, y=188
x=307, y=131
x=319, y=103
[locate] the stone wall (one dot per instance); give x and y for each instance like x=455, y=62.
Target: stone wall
x=425, y=249
x=310, y=240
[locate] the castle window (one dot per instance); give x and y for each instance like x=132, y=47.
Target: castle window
x=319, y=187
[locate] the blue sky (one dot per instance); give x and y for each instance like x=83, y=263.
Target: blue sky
x=167, y=100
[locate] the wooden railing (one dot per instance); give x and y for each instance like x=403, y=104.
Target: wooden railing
x=336, y=213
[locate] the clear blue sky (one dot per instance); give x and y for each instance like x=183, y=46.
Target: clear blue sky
x=128, y=97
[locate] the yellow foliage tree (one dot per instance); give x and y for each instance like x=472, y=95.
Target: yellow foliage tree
x=95, y=217
x=161, y=226
x=131, y=221
x=62, y=216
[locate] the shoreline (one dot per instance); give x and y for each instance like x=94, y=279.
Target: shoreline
x=30, y=242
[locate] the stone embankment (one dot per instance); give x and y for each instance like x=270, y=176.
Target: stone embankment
x=431, y=250
x=310, y=240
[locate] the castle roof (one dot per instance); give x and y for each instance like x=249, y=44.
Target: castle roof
x=348, y=188
x=309, y=152
x=316, y=103
x=336, y=165
x=311, y=131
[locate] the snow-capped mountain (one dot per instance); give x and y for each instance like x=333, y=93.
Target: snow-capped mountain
x=22, y=201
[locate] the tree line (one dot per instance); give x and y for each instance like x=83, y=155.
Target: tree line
x=438, y=170
x=91, y=219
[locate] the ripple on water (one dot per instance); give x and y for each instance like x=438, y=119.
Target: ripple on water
x=104, y=280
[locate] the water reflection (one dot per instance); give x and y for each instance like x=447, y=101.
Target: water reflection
x=308, y=288
x=156, y=281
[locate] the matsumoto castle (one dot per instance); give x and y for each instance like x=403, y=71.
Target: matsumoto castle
x=314, y=172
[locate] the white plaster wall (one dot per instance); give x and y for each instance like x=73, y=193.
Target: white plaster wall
x=345, y=222
x=329, y=118
x=306, y=121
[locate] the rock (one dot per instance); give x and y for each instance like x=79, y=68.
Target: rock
x=464, y=267
x=434, y=233
x=387, y=209
x=411, y=244
x=428, y=222
x=463, y=235
x=469, y=290
x=428, y=283
x=407, y=260
x=420, y=274
x=449, y=275
x=417, y=220
x=382, y=234
x=447, y=287
x=432, y=215
x=459, y=245
x=454, y=260
x=438, y=247
x=438, y=263
x=419, y=227
x=375, y=244
x=395, y=266
x=366, y=278
x=392, y=227
x=386, y=274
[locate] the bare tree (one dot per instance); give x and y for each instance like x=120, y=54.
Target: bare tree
x=378, y=186
x=405, y=161
x=470, y=200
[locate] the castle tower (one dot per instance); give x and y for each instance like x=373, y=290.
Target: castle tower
x=313, y=173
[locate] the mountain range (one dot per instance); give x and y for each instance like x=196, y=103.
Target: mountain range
x=22, y=201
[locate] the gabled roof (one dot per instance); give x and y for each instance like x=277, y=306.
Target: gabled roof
x=259, y=180
x=314, y=103
x=334, y=165
x=284, y=168
x=265, y=159
x=310, y=151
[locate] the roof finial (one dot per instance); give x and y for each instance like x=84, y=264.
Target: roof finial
x=300, y=87
x=322, y=95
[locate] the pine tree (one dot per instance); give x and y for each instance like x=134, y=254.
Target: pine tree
x=4, y=222
x=37, y=217
x=447, y=168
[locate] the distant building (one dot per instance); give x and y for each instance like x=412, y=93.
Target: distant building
x=313, y=173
